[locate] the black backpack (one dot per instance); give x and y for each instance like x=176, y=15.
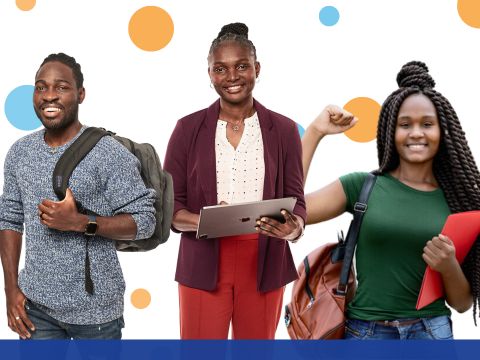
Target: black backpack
x=152, y=174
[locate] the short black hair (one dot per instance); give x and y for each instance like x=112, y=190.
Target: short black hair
x=70, y=62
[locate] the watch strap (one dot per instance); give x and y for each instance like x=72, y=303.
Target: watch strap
x=91, y=228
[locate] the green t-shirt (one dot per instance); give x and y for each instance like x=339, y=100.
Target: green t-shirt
x=398, y=223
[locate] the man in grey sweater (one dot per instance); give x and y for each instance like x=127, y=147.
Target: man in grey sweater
x=48, y=299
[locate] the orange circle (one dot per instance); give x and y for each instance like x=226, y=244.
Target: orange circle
x=140, y=298
x=25, y=5
x=469, y=11
x=150, y=28
x=367, y=111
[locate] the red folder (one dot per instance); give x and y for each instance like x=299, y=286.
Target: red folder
x=463, y=229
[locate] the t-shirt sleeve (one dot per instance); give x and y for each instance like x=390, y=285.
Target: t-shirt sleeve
x=11, y=205
x=352, y=185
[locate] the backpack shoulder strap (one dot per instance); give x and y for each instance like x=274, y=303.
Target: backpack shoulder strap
x=359, y=208
x=72, y=157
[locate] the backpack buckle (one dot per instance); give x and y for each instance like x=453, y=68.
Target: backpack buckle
x=287, y=317
x=310, y=304
x=360, y=207
x=341, y=290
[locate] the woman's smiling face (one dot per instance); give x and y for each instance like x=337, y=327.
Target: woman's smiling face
x=233, y=71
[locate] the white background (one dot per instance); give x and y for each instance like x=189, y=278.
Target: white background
x=305, y=66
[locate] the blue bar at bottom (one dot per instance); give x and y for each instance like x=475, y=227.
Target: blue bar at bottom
x=243, y=349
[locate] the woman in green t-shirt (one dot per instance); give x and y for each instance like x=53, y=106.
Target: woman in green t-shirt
x=426, y=171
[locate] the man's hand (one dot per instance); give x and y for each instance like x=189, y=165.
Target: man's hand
x=17, y=317
x=62, y=215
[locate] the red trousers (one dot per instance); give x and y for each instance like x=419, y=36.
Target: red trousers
x=253, y=314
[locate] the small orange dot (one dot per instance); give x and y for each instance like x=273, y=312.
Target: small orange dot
x=25, y=5
x=140, y=298
x=367, y=111
x=150, y=28
x=469, y=11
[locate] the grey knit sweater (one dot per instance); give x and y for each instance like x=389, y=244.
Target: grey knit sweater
x=107, y=182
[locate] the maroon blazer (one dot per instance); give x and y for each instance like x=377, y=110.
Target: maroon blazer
x=190, y=158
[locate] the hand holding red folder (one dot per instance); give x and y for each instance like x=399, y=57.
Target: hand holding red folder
x=463, y=229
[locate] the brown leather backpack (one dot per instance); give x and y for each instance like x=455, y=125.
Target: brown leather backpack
x=326, y=283
x=316, y=310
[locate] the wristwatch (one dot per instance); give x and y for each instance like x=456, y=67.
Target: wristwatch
x=91, y=228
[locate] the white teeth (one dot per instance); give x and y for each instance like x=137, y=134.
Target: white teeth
x=51, y=109
x=236, y=87
x=416, y=146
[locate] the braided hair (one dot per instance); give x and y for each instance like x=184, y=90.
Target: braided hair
x=453, y=166
x=237, y=32
x=70, y=62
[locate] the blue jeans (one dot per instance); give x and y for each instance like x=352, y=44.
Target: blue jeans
x=48, y=328
x=433, y=328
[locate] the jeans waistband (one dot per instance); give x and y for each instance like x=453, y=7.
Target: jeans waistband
x=397, y=323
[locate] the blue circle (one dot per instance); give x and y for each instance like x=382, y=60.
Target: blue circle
x=329, y=15
x=301, y=130
x=19, y=108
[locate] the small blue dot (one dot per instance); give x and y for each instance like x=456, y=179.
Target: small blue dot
x=19, y=108
x=329, y=15
x=301, y=130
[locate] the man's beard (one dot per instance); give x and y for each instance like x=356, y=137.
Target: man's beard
x=69, y=118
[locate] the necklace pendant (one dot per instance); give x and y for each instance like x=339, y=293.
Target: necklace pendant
x=235, y=127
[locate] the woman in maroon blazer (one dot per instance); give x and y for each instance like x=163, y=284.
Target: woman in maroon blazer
x=234, y=151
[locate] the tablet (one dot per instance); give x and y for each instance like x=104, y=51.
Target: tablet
x=238, y=219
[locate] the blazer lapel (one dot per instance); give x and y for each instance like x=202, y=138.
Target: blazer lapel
x=205, y=156
x=270, y=151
